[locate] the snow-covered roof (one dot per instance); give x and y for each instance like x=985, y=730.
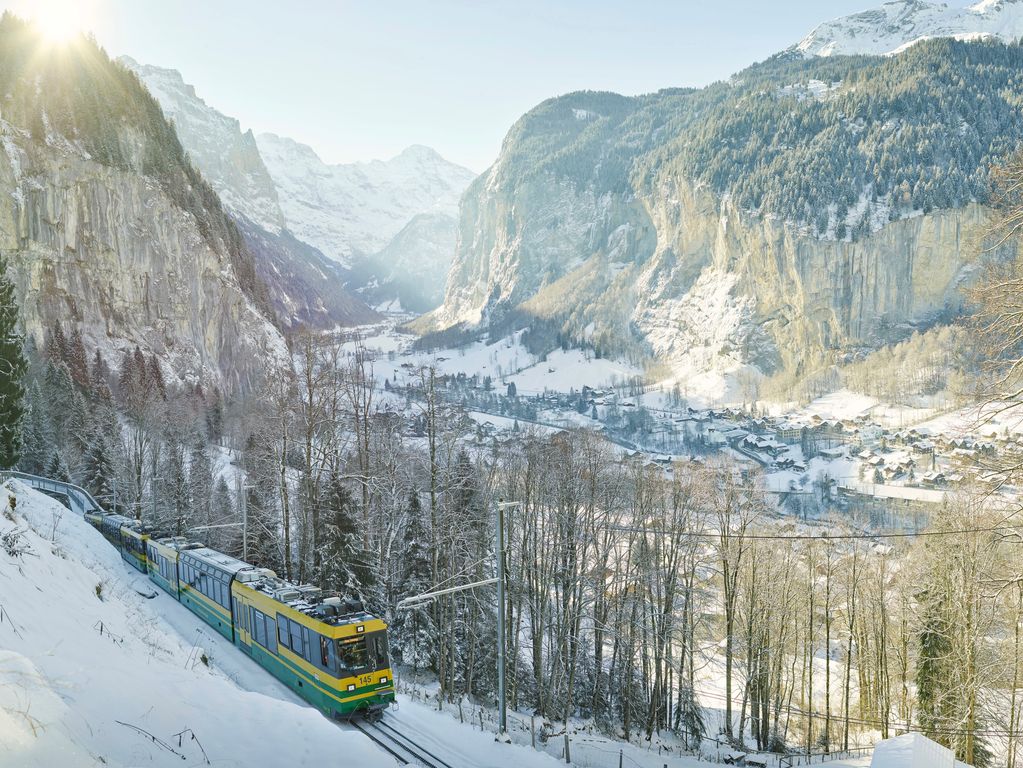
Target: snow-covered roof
x=913, y=750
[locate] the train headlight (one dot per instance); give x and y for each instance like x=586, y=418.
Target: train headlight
x=383, y=679
x=351, y=686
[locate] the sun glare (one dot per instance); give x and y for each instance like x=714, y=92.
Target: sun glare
x=60, y=20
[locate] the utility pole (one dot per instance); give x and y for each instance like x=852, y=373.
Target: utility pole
x=427, y=597
x=244, y=504
x=502, y=705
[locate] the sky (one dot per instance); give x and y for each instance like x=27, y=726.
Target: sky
x=363, y=80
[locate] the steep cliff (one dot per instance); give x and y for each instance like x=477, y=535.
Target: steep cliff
x=109, y=228
x=802, y=208
x=305, y=288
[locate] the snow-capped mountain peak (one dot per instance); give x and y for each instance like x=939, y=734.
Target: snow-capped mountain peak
x=894, y=25
x=227, y=157
x=352, y=209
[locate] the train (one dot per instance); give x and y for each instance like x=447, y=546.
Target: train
x=326, y=648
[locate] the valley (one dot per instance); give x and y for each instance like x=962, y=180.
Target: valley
x=477, y=385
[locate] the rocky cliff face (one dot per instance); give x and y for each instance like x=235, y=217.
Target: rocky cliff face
x=228, y=157
x=106, y=250
x=305, y=287
x=107, y=227
x=617, y=223
x=694, y=282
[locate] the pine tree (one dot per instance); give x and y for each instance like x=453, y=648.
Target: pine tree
x=98, y=472
x=36, y=439
x=200, y=482
x=173, y=503
x=413, y=629
x=12, y=373
x=58, y=395
x=56, y=345
x=77, y=360
x=56, y=468
x=346, y=566
x=222, y=510
x=100, y=371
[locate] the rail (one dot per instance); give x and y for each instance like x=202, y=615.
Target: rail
x=397, y=744
x=79, y=499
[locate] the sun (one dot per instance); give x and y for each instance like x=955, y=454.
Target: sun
x=61, y=20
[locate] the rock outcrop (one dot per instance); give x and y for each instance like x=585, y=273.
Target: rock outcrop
x=106, y=250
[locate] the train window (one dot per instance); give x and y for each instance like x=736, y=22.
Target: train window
x=325, y=654
x=307, y=646
x=258, y=623
x=379, y=649
x=271, y=634
x=296, y=639
x=282, y=630
x=352, y=655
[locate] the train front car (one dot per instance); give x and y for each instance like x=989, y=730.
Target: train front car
x=330, y=651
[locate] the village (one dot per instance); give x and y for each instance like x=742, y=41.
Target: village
x=816, y=464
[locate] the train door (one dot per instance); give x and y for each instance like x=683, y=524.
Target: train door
x=240, y=610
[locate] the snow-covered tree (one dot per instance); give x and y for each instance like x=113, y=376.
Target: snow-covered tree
x=413, y=632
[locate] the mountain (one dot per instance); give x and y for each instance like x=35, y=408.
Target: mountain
x=413, y=267
x=903, y=22
x=304, y=287
x=109, y=227
x=349, y=211
x=228, y=158
x=806, y=208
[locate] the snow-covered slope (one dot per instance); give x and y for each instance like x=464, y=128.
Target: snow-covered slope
x=228, y=158
x=354, y=209
x=99, y=667
x=88, y=667
x=897, y=24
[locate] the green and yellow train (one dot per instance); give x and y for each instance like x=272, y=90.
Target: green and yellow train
x=329, y=650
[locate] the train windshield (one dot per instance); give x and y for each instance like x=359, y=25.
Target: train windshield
x=365, y=653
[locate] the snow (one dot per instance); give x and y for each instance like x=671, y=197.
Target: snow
x=68, y=687
x=347, y=210
x=73, y=696
x=700, y=334
x=894, y=26
x=912, y=750
x=505, y=360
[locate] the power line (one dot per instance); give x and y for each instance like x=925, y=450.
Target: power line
x=819, y=537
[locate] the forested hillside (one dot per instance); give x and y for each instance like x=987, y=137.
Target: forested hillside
x=829, y=204
x=790, y=137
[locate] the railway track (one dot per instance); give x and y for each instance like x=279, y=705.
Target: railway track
x=398, y=745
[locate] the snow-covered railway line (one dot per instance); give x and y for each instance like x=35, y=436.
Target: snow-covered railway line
x=399, y=745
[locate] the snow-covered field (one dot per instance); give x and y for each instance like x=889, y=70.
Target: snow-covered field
x=506, y=360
